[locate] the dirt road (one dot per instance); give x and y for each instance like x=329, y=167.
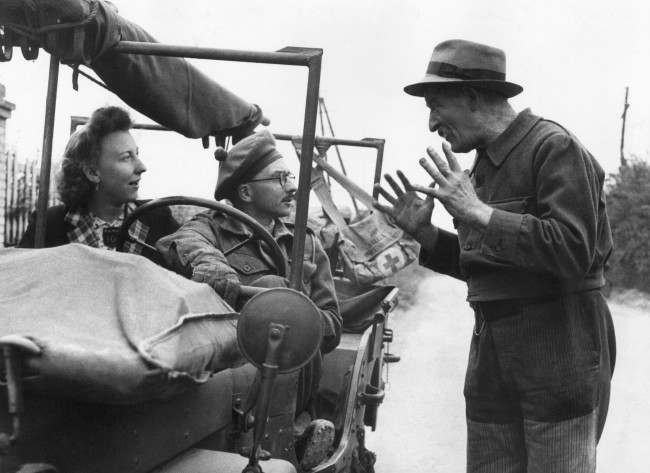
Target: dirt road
x=422, y=422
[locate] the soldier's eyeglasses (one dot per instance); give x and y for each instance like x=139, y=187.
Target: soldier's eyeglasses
x=282, y=177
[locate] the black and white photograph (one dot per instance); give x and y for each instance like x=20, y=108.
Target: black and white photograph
x=324, y=236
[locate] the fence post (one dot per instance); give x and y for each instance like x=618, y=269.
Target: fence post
x=12, y=205
x=6, y=108
x=24, y=201
x=20, y=194
x=5, y=197
x=32, y=185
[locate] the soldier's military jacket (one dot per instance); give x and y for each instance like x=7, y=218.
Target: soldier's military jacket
x=220, y=251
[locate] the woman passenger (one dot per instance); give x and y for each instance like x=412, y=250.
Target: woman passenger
x=98, y=185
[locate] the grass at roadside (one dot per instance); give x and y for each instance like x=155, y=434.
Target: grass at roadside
x=631, y=298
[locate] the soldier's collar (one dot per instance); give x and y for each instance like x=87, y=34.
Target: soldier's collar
x=238, y=228
x=231, y=225
x=281, y=228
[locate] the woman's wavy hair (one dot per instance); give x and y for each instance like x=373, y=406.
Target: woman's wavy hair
x=84, y=148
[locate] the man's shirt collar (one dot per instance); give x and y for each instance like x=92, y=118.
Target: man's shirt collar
x=501, y=148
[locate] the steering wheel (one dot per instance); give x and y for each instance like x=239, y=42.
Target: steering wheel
x=259, y=232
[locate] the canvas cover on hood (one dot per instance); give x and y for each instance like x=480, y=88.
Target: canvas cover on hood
x=112, y=327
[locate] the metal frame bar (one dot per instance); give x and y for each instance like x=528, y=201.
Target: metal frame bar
x=376, y=143
x=46, y=158
x=290, y=56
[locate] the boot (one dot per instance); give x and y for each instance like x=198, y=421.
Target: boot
x=315, y=444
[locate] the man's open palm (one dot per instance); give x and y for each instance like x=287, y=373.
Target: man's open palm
x=409, y=211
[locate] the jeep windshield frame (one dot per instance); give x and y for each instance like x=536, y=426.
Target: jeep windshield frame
x=289, y=56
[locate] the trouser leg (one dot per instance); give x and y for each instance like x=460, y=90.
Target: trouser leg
x=548, y=363
x=495, y=436
x=568, y=446
x=607, y=362
x=566, y=360
x=495, y=448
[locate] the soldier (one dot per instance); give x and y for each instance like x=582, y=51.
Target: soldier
x=531, y=243
x=221, y=252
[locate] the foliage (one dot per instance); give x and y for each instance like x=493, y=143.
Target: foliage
x=628, y=207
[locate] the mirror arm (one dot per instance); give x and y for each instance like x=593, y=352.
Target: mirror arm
x=269, y=372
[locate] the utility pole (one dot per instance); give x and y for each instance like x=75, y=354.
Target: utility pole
x=626, y=105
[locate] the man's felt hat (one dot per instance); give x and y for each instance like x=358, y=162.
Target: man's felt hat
x=243, y=161
x=464, y=62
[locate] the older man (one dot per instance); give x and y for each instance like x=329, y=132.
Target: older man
x=532, y=239
x=221, y=252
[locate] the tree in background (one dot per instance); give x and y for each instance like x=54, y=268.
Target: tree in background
x=628, y=206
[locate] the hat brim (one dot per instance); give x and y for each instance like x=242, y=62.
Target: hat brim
x=508, y=89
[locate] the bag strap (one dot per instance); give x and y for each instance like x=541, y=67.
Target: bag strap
x=322, y=191
x=345, y=182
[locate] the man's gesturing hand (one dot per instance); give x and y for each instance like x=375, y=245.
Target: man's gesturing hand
x=410, y=212
x=455, y=190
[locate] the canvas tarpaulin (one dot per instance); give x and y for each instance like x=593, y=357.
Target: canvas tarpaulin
x=112, y=327
x=169, y=90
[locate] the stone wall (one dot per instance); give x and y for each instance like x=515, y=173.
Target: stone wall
x=6, y=108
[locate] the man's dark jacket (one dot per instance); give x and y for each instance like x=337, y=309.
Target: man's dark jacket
x=549, y=233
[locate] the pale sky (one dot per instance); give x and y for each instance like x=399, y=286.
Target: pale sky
x=574, y=60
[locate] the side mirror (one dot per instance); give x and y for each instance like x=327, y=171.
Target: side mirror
x=279, y=331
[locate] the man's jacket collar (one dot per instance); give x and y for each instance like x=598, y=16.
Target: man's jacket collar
x=501, y=148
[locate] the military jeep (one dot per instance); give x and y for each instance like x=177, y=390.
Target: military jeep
x=240, y=418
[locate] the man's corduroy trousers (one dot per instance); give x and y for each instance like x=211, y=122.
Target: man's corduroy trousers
x=537, y=384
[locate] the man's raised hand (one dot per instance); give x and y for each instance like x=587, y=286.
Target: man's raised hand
x=455, y=190
x=410, y=212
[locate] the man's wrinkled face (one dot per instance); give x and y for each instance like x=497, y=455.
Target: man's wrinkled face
x=451, y=116
x=273, y=189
